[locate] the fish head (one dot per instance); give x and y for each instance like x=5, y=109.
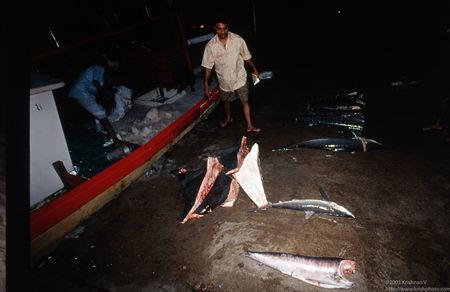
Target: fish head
x=347, y=267
x=340, y=210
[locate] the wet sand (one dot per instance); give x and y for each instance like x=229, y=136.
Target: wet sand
x=399, y=195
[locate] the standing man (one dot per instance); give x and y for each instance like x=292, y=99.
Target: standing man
x=227, y=52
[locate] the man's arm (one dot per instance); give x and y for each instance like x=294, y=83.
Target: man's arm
x=251, y=64
x=206, y=82
x=107, y=125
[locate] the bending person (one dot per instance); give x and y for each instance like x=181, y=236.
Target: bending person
x=96, y=91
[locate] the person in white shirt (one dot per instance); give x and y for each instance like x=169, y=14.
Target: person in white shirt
x=227, y=52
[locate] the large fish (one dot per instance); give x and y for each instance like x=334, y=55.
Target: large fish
x=354, y=144
x=311, y=206
x=209, y=187
x=326, y=272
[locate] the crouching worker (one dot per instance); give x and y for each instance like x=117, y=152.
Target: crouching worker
x=97, y=92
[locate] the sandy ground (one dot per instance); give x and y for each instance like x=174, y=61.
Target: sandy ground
x=400, y=196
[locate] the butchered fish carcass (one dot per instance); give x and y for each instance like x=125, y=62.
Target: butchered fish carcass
x=250, y=179
x=211, y=186
x=326, y=272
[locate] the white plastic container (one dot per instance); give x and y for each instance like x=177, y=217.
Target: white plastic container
x=266, y=75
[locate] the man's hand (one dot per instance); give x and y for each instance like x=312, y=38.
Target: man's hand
x=118, y=142
x=252, y=65
x=206, y=91
x=107, y=125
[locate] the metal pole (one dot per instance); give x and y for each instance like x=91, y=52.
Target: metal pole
x=53, y=37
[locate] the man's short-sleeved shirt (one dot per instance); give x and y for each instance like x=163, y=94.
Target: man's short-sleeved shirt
x=228, y=61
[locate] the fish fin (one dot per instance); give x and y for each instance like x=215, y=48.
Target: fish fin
x=312, y=282
x=354, y=134
x=324, y=194
x=308, y=214
x=336, y=277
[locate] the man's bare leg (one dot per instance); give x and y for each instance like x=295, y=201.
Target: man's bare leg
x=246, y=109
x=229, y=119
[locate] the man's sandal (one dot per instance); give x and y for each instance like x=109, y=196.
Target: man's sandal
x=253, y=130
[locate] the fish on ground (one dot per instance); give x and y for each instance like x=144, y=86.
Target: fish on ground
x=353, y=144
x=311, y=206
x=326, y=272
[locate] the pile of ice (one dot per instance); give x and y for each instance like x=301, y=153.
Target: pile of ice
x=142, y=130
x=152, y=113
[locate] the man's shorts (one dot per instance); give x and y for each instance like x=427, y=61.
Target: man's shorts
x=241, y=93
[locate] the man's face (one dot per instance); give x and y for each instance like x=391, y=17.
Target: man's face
x=221, y=30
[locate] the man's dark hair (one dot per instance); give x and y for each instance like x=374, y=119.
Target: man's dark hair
x=222, y=20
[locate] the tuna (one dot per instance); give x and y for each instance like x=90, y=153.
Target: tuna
x=325, y=272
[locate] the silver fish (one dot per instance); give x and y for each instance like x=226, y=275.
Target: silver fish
x=353, y=144
x=311, y=206
x=326, y=272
